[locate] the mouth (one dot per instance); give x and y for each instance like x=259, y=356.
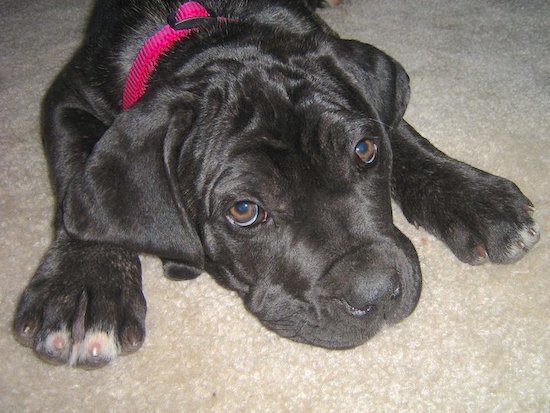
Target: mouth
x=359, y=312
x=346, y=327
x=339, y=313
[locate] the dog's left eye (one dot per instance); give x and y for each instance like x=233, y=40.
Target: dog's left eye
x=366, y=151
x=246, y=214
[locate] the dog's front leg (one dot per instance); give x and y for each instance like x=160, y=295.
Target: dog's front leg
x=479, y=216
x=84, y=304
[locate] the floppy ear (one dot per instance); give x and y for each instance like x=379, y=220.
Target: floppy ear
x=125, y=195
x=382, y=81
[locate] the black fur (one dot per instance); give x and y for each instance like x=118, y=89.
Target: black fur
x=267, y=108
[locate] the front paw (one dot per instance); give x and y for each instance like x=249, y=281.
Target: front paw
x=481, y=217
x=84, y=306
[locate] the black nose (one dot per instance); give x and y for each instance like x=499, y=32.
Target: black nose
x=372, y=292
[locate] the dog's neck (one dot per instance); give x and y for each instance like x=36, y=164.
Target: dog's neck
x=188, y=18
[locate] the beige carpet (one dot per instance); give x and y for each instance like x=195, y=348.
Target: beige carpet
x=479, y=340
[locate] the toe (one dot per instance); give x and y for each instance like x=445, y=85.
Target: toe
x=480, y=255
x=25, y=329
x=55, y=347
x=525, y=240
x=96, y=350
x=131, y=338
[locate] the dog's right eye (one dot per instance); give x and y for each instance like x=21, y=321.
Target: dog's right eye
x=246, y=213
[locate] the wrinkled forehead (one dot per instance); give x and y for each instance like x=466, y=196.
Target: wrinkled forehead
x=272, y=113
x=269, y=76
x=274, y=100
x=275, y=145
x=264, y=125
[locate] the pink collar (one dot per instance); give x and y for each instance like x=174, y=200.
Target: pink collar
x=187, y=19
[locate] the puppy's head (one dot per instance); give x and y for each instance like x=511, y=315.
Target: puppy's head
x=271, y=171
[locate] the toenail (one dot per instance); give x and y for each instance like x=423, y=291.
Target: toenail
x=482, y=252
x=95, y=350
x=29, y=326
x=131, y=336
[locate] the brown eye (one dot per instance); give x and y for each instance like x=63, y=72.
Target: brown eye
x=366, y=151
x=246, y=213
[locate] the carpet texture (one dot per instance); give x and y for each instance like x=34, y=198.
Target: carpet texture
x=479, y=340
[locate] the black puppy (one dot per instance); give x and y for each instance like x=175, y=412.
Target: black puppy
x=246, y=139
